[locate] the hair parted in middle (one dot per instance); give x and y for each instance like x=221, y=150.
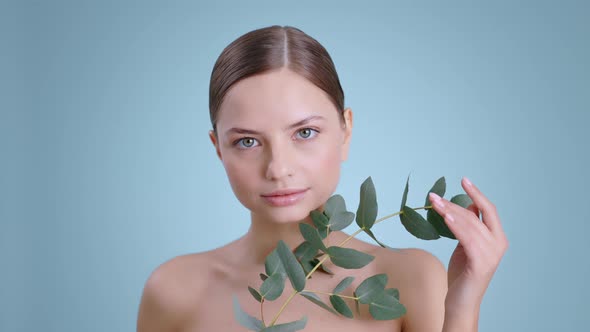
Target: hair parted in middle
x=270, y=48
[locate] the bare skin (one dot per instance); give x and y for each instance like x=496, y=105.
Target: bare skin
x=278, y=131
x=194, y=292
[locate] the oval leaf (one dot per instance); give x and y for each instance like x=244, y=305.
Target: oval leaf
x=370, y=233
x=393, y=292
x=333, y=205
x=341, y=306
x=319, y=219
x=255, y=294
x=316, y=299
x=340, y=220
x=342, y=285
x=371, y=288
x=405, y=194
x=247, y=321
x=386, y=307
x=312, y=236
x=462, y=200
x=349, y=258
x=439, y=224
x=287, y=327
x=366, y=213
x=272, y=264
x=305, y=252
x=273, y=287
x=292, y=268
x=439, y=188
x=417, y=226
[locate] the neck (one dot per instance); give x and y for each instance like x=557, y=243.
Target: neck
x=264, y=235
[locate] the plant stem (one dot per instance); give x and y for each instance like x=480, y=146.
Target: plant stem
x=327, y=256
x=262, y=312
x=318, y=292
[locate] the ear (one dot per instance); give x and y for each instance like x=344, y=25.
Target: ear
x=347, y=133
x=213, y=138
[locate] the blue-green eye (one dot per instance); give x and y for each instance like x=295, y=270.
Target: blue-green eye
x=307, y=133
x=246, y=142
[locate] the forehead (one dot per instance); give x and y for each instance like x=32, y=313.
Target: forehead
x=278, y=97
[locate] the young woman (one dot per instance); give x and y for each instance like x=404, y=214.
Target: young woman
x=281, y=130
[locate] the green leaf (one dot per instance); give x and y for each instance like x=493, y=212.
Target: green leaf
x=273, y=287
x=393, y=292
x=370, y=233
x=342, y=285
x=357, y=305
x=416, y=225
x=316, y=299
x=462, y=200
x=371, y=288
x=341, y=306
x=247, y=321
x=263, y=276
x=333, y=205
x=405, y=194
x=305, y=252
x=321, y=222
x=340, y=220
x=439, y=224
x=348, y=258
x=273, y=265
x=287, y=327
x=438, y=188
x=386, y=307
x=311, y=235
x=292, y=268
x=366, y=213
x=319, y=219
x=323, y=267
x=255, y=294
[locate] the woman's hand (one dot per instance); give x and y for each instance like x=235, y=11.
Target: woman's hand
x=482, y=244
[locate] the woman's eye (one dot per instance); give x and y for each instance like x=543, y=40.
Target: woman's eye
x=307, y=133
x=246, y=142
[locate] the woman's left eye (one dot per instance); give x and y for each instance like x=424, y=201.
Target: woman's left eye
x=307, y=133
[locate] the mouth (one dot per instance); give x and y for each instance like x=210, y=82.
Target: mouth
x=284, y=192
x=285, y=197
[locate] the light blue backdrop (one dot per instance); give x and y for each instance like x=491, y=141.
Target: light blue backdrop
x=107, y=170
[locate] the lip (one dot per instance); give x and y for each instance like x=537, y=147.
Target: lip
x=284, y=197
x=284, y=192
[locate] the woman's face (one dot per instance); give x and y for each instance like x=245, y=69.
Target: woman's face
x=278, y=132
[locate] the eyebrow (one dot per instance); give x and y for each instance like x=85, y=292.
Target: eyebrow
x=254, y=132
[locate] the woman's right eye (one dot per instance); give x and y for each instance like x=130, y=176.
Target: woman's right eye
x=246, y=142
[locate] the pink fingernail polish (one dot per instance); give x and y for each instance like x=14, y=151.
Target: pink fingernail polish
x=468, y=182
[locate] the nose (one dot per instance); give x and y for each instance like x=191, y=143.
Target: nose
x=279, y=164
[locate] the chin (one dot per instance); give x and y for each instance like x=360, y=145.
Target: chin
x=285, y=215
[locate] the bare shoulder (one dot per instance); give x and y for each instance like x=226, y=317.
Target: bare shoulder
x=170, y=292
x=422, y=281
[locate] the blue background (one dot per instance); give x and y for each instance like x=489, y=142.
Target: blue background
x=107, y=170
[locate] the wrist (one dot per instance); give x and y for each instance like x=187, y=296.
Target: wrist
x=461, y=318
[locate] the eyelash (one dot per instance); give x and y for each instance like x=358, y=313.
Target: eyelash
x=314, y=133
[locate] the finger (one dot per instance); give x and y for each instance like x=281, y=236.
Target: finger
x=464, y=225
x=487, y=208
x=473, y=208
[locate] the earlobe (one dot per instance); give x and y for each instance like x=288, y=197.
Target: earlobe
x=213, y=138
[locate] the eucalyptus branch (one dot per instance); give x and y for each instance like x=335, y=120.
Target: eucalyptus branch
x=300, y=264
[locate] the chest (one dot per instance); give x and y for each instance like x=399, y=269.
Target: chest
x=214, y=312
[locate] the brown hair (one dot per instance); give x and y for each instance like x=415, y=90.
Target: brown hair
x=270, y=48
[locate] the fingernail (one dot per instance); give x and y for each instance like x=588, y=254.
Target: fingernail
x=468, y=182
x=434, y=197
